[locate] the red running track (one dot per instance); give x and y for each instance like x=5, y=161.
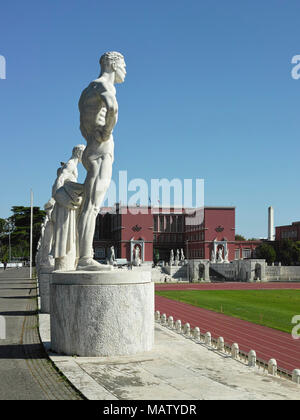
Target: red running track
x=226, y=286
x=267, y=342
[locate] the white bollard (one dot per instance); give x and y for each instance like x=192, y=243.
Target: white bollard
x=220, y=344
x=272, y=367
x=251, y=358
x=187, y=330
x=197, y=335
x=178, y=326
x=296, y=376
x=171, y=322
x=207, y=339
x=163, y=319
x=235, y=351
x=157, y=315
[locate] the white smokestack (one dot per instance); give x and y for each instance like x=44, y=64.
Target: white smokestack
x=270, y=224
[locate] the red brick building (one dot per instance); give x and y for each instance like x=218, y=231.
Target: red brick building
x=197, y=232
x=291, y=232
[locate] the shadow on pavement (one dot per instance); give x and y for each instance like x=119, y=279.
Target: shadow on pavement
x=17, y=297
x=17, y=288
x=22, y=351
x=19, y=313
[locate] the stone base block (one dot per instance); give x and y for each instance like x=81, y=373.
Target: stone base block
x=44, y=279
x=102, y=313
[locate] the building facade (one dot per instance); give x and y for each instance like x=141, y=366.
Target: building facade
x=291, y=232
x=200, y=233
x=217, y=230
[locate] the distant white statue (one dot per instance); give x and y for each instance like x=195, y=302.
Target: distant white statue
x=112, y=259
x=182, y=257
x=213, y=256
x=45, y=258
x=38, y=255
x=98, y=109
x=171, y=257
x=67, y=194
x=177, y=257
x=220, y=255
x=137, y=260
x=226, y=260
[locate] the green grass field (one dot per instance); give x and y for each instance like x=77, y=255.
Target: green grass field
x=272, y=308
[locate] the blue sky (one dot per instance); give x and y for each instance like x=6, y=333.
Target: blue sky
x=208, y=94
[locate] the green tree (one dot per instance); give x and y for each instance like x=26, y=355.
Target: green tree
x=239, y=237
x=19, y=226
x=5, y=229
x=155, y=255
x=2, y=226
x=288, y=252
x=267, y=252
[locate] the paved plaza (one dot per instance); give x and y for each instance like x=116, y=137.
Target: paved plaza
x=25, y=370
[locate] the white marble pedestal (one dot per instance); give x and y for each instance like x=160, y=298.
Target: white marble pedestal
x=44, y=278
x=102, y=313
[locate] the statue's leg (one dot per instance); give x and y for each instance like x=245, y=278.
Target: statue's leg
x=86, y=211
x=95, y=187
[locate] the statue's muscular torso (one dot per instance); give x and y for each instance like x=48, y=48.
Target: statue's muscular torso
x=93, y=120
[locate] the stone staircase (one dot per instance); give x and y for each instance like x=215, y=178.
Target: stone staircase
x=159, y=276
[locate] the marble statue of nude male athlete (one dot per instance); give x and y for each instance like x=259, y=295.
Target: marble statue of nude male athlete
x=98, y=109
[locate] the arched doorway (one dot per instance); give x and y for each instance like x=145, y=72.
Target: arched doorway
x=257, y=272
x=201, y=271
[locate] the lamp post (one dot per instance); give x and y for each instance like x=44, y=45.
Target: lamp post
x=31, y=220
x=9, y=245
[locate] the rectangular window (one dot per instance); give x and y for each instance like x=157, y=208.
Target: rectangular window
x=289, y=234
x=237, y=254
x=179, y=225
x=246, y=253
x=161, y=224
x=173, y=224
x=168, y=224
x=99, y=253
x=155, y=223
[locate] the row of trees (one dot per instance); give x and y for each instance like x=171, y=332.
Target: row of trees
x=15, y=233
x=242, y=238
x=286, y=251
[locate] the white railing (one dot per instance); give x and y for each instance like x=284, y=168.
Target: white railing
x=220, y=346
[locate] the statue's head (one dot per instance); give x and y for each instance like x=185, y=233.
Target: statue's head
x=114, y=62
x=77, y=151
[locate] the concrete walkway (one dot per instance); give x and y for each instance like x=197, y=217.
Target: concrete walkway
x=176, y=369
x=25, y=370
